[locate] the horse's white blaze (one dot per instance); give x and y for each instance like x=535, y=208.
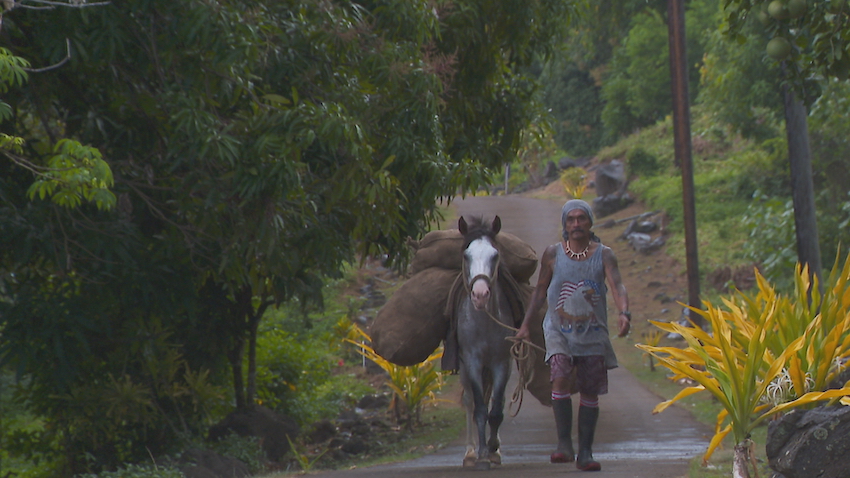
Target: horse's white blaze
x=480, y=254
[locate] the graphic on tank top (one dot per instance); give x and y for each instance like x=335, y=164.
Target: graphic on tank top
x=576, y=302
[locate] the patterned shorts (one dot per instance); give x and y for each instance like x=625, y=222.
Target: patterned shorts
x=589, y=372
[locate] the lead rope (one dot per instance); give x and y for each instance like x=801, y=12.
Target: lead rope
x=523, y=352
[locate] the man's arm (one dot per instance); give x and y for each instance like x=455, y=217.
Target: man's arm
x=538, y=297
x=618, y=290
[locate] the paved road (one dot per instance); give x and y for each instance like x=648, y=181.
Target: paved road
x=630, y=441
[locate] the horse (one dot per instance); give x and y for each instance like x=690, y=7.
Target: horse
x=484, y=320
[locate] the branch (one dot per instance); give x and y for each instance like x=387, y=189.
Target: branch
x=51, y=5
x=53, y=67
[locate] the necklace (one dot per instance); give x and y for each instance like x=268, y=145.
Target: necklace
x=573, y=254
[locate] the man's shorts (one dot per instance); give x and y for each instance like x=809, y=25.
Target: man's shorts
x=589, y=371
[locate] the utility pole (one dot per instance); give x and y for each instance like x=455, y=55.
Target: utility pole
x=682, y=143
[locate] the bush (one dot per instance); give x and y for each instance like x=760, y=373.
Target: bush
x=642, y=163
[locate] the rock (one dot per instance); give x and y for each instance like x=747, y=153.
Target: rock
x=611, y=203
x=644, y=243
x=807, y=443
x=374, y=401
x=551, y=171
x=323, y=430
x=270, y=427
x=610, y=179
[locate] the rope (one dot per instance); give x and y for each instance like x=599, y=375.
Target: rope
x=522, y=351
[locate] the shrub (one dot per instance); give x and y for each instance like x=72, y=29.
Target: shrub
x=761, y=345
x=642, y=163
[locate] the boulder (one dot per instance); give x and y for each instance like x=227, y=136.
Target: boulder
x=807, y=443
x=270, y=427
x=610, y=203
x=610, y=178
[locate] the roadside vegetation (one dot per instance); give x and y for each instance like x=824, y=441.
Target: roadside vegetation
x=187, y=244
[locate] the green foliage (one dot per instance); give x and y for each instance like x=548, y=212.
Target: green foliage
x=255, y=152
x=829, y=121
x=75, y=173
x=772, y=242
x=637, y=87
x=758, y=344
x=740, y=87
x=12, y=74
x=248, y=450
x=138, y=471
x=290, y=369
x=642, y=163
x=820, y=35
x=573, y=97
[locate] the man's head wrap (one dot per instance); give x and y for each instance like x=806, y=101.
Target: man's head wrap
x=575, y=204
x=571, y=205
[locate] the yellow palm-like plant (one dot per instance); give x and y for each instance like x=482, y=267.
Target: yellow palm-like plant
x=573, y=181
x=758, y=343
x=412, y=386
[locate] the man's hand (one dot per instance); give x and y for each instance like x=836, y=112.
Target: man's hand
x=522, y=332
x=624, y=325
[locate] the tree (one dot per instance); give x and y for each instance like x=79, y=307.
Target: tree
x=811, y=40
x=256, y=149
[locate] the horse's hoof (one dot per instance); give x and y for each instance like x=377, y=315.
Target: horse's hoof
x=496, y=458
x=482, y=465
x=469, y=461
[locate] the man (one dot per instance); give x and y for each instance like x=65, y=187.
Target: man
x=572, y=276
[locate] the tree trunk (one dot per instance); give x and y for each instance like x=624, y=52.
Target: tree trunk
x=740, y=463
x=236, y=366
x=802, y=184
x=253, y=325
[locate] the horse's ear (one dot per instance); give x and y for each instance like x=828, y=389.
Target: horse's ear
x=497, y=225
x=461, y=225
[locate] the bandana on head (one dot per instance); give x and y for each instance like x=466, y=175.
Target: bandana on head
x=575, y=204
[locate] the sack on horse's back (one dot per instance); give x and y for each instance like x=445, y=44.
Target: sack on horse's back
x=444, y=249
x=411, y=325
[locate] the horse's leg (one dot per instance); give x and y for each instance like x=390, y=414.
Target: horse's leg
x=479, y=413
x=470, y=457
x=501, y=374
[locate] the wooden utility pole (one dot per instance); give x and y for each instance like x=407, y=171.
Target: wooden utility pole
x=682, y=143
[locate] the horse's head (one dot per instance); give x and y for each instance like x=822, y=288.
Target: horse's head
x=480, y=257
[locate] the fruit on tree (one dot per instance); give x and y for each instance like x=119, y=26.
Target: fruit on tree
x=778, y=48
x=797, y=8
x=778, y=10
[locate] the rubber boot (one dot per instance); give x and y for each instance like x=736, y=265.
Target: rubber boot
x=587, y=418
x=563, y=410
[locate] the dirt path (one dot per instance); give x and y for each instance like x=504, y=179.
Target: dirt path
x=630, y=441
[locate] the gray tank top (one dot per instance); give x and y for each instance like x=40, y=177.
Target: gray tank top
x=576, y=321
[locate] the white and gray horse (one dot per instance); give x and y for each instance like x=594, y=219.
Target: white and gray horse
x=484, y=319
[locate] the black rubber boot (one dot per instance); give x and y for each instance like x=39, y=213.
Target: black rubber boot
x=587, y=418
x=563, y=410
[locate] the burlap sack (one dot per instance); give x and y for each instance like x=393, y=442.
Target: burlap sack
x=444, y=249
x=535, y=367
x=411, y=325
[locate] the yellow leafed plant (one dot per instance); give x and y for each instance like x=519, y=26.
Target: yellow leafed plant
x=766, y=355
x=412, y=386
